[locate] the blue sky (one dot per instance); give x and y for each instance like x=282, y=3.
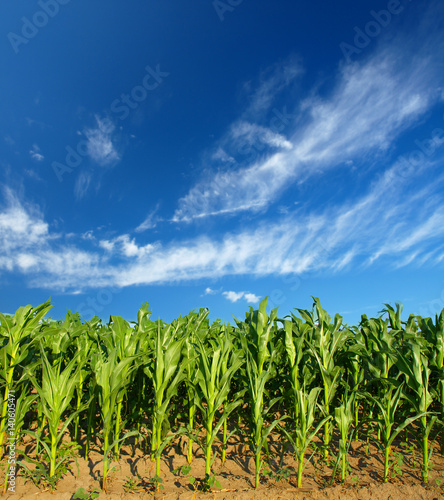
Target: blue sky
x=208, y=155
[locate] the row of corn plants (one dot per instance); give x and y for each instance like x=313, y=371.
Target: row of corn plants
x=303, y=379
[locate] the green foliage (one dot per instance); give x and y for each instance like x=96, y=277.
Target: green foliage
x=82, y=494
x=299, y=380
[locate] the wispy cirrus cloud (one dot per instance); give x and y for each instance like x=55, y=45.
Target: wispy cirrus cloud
x=150, y=221
x=385, y=226
x=396, y=221
x=100, y=143
x=272, y=81
x=82, y=184
x=371, y=105
x=100, y=148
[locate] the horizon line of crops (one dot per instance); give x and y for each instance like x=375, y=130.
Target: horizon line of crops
x=306, y=376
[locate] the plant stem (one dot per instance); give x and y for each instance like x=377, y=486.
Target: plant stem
x=209, y=430
x=53, y=455
x=117, y=429
x=79, y=403
x=191, y=411
x=386, y=463
x=224, y=444
x=327, y=424
x=425, y=451
x=258, y=468
x=300, y=469
x=158, y=441
x=154, y=437
x=105, y=460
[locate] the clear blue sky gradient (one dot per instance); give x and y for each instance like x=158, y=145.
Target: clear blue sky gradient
x=208, y=154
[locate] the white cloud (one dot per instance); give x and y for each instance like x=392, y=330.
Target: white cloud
x=247, y=134
x=100, y=142
x=233, y=296
x=272, y=81
x=107, y=245
x=399, y=221
x=210, y=291
x=35, y=153
x=82, y=184
x=372, y=103
x=150, y=221
x=33, y=175
x=26, y=261
x=383, y=226
x=20, y=227
x=127, y=247
x=251, y=298
x=28, y=246
x=88, y=235
x=221, y=155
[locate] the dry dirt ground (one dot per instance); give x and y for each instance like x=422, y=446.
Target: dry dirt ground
x=130, y=478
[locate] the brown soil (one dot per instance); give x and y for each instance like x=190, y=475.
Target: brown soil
x=236, y=477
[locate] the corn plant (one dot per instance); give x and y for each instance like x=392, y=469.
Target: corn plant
x=195, y=328
x=55, y=395
x=16, y=335
x=144, y=330
x=344, y=418
x=165, y=372
x=380, y=344
x=127, y=342
x=89, y=343
x=434, y=335
x=355, y=354
x=189, y=378
x=217, y=365
x=256, y=344
x=83, y=345
x=303, y=434
x=388, y=406
x=60, y=340
x=111, y=376
x=328, y=340
x=296, y=333
x=236, y=391
x=414, y=365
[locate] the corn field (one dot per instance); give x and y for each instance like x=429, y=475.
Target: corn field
x=312, y=381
